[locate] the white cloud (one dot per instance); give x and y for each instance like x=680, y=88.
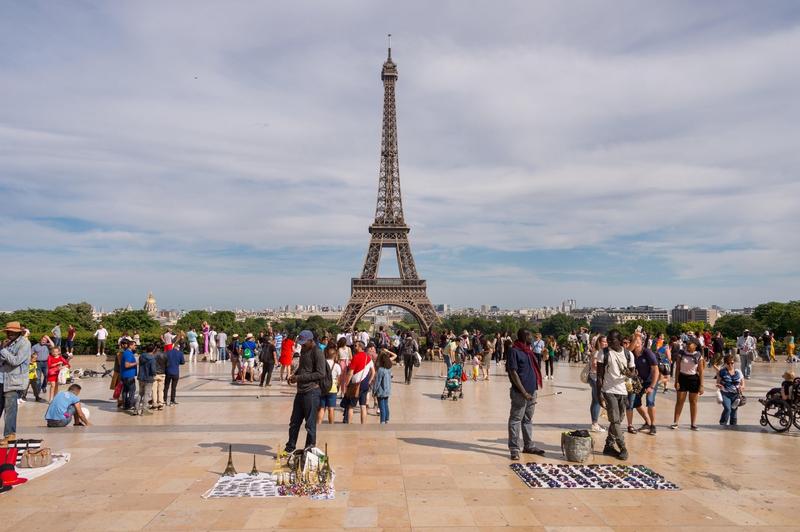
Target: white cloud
x=225, y=137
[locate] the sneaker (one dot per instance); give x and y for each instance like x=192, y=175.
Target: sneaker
x=674, y=426
x=645, y=427
x=20, y=400
x=609, y=450
x=652, y=430
x=596, y=427
x=695, y=427
x=515, y=455
x=623, y=454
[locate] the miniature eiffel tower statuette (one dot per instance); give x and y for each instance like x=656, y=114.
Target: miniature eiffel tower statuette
x=229, y=469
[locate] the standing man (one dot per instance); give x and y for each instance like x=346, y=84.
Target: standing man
x=15, y=356
x=174, y=362
x=611, y=381
x=538, y=347
x=746, y=344
x=127, y=365
x=101, y=334
x=42, y=350
x=526, y=378
x=311, y=376
x=56, y=334
x=222, y=346
x=70, y=340
x=647, y=368
x=159, y=379
x=269, y=357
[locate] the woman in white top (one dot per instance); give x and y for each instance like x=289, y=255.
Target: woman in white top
x=600, y=343
x=689, y=367
x=345, y=354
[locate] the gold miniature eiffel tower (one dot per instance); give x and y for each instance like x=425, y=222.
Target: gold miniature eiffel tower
x=229, y=469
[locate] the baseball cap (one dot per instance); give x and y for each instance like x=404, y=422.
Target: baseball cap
x=305, y=336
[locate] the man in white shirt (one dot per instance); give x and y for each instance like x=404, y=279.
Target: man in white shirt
x=364, y=337
x=212, y=345
x=611, y=379
x=222, y=346
x=746, y=344
x=101, y=334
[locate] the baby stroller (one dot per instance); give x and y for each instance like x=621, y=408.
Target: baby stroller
x=453, y=384
x=780, y=415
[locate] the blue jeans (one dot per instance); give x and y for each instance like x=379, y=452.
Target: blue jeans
x=594, y=408
x=728, y=412
x=383, y=405
x=746, y=360
x=65, y=421
x=223, y=353
x=129, y=393
x=8, y=408
x=41, y=369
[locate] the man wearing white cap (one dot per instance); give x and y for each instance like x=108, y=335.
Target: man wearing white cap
x=311, y=376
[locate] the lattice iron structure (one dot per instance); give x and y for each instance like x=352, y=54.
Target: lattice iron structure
x=389, y=230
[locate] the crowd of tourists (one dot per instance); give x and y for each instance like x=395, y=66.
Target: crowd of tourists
x=353, y=369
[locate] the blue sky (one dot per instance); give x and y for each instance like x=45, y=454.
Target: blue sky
x=226, y=154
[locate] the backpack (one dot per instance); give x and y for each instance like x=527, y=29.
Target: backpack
x=408, y=347
x=327, y=380
x=383, y=339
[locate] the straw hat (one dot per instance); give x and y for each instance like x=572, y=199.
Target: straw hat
x=13, y=326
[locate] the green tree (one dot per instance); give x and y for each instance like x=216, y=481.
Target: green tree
x=560, y=325
x=193, y=320
x=131, y=320
x=223, y=320
x=732, y=325
x=653, y=328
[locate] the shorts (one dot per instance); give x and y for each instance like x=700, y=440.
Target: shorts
x=328, y=400
x=635, y=401
x=70, y=343
x=688, y=383
x=249, y=362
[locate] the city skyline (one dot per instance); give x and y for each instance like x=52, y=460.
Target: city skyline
x=227, y=155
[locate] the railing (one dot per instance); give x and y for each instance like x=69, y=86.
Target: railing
x=389, y=281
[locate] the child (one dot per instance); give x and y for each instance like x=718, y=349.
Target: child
x=382, y=388
x=54, y=364
x=476, y=367
x=33, y=380
x=328, y=399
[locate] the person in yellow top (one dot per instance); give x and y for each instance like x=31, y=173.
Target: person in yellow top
x=33, y=380
x=790, y=347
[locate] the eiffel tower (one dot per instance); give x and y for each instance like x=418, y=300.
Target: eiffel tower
x=389, y=230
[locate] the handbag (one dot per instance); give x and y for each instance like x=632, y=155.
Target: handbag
x=37, y=458
x=585, y=372
x=63, y=374
x=417, y=360
x=118, y=390
x=742, y=399
x=719, y=396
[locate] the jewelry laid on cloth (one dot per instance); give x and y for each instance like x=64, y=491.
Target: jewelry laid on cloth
x=592, y=476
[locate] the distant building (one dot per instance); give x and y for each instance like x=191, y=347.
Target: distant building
x=605, y=319
x=680, y=314
x=150, y=305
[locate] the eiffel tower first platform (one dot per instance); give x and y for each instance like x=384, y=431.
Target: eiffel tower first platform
x=389, y=230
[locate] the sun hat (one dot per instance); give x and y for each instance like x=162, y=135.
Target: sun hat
x=13, y=326
x=249, y=335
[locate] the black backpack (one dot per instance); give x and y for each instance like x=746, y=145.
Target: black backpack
x=327, y=380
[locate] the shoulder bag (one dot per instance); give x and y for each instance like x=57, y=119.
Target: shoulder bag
x=37, y=458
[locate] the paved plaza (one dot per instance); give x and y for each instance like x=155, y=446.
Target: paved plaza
x=438, y=464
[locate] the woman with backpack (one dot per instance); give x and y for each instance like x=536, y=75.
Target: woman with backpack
x=409, y=351
x=689, y=368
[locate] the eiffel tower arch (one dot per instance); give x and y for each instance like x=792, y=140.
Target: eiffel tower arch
x=389, y=231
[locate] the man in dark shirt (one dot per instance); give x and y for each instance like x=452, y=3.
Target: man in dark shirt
x=647, y=368
x=268, y=358
x=526, y=378
x=310, y=373
x=174, y=362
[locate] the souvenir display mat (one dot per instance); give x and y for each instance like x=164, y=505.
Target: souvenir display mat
x=262, y=485
x=592, y=476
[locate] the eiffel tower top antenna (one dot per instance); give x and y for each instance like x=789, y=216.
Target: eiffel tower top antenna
x=389, y=40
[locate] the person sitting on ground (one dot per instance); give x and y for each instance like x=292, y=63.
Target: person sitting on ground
x=66, y=407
